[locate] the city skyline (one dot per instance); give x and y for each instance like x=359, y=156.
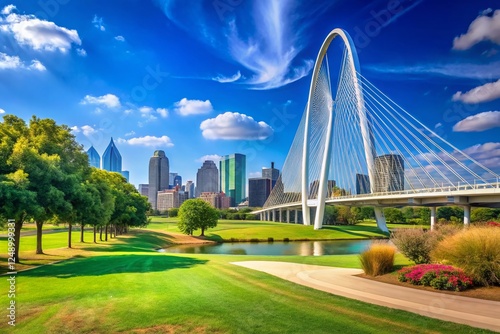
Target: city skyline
x=189, y=88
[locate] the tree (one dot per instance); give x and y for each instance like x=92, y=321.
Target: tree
x=482, y=214
x=367, y=212
x=197, y=214
x=393, y=215
x=330, y=215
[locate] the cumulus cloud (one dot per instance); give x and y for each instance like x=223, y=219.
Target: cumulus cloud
x=81, y=52
x=213, y=157
x=40, y=35
x=148, y=141
x=480, y=122
x=187, y=107
x=163, y=112
x=98, y=23
x=2, y=111
x=14, y=62
x=120, y=38
x=8, y=9
x=108, y=100
x=483, y=28
x=86, y=130
x=488, y=154
x=267, y=45
x=484, y=93
x=235, y=126
x=223, y=79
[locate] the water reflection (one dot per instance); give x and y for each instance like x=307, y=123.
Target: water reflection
x=303, y=248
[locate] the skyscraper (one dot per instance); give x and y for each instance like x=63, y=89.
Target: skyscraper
x=177, y=181
x=362, y=184
x=389, y=173
x=207, y=178
x=190, y=188
x=258, y=191
x=233, y=172
x=112, y=159
x=271, y=173
x=158, y=176
x=171, y=177
x=94, y=157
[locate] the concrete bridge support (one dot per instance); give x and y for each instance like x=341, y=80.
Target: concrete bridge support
x=466, y=215
x=433, y=218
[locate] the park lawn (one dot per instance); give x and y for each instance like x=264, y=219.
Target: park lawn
x=116, y=286
x=244, y=230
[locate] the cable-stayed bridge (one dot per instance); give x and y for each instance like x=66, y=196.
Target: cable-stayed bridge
x=355, y=146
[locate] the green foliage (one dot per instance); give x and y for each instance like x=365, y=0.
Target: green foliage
x=173, y=212
x=367, y=212
x=415, y=244
x=393, y=215
x=197, y=214
x=446, y=212
x=483, y=214
x=476, y=250
x=378, y=259
x=330, y=216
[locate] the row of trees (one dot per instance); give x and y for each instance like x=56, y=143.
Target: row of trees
x=409, y=215
x=45, y=177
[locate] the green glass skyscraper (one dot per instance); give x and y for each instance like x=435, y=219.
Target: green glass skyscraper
x=233, y=171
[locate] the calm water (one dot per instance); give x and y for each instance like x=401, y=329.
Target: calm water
x=303, y=248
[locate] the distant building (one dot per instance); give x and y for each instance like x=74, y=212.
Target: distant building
x=112, y=159
x=94, y=157
x=177, y=181
x=171, y=177
x=271, y=173
x=158, y=176
x=389, y=173
x=362, y=184
x=207, y=178
x=258, y=191
x=144, y=189
x=217, y=200
x=170, y=198
x=190, y=189
x=233, y=177
x=125, y=174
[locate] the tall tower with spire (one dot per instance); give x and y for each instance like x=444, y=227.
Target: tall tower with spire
x=94, y=157
x=112, y=159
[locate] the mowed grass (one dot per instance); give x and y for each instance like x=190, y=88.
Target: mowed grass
x=247, y=230
x=125, y=286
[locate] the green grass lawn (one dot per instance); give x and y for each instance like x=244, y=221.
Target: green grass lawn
x=243, y=230
x=124, y=285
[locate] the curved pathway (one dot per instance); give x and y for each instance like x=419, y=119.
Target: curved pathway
x=341, y=281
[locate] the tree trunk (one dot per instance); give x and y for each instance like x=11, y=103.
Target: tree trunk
x=17, y=238
x=100, y=233
x=95, y=232
x=202, y=232
x=69, y=235
x=106, y=233
x=82, y=230
x=39, y=249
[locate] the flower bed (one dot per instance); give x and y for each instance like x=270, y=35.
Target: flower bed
x=438, y=276
x=495, y=224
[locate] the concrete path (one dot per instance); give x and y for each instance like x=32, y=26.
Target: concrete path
x=341, y=281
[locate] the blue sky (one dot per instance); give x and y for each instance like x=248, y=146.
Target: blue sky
x=202, y=79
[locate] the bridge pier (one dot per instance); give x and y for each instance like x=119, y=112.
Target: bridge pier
x=296, y=216
x=466, y=215
x=288, y=216
x=379, y=216
x=433, y=218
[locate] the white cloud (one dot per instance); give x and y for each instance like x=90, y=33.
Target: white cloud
x=9, y=62
x=81, y=52
x=2, y=111
x=8, y=9
x=235, y=126
x=108, y=100
x=148, y=141
x=483, y=28
x=86, y=130
x=464, y=70
x=252, y=175
x=223, y=79
x=480, y=122
x=41, y=35
x=484, y=93
x=488, y=154
x=213, y=157
x=98, y=23
x=163, y=112
x=120, y=38
x=14, y=62
x=264, y=37
x=187, y=107
x=37, y=65
x=129, y=134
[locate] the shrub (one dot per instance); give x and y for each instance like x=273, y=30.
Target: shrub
x=438, y=276
x=494, y=224
x=378, y=259
x=415, y=244
x=475, y=250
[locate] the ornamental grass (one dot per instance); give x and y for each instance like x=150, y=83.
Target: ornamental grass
x=378, y=259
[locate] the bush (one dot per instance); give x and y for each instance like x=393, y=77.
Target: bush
x=378, y=259
x=438, y=276
x=475, y=250
x=415, y=244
